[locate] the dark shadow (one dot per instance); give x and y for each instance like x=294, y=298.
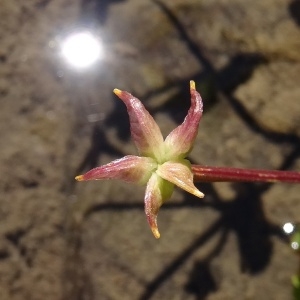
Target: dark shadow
x=239, y=70
x=291, y=157
x=99, y=145
x=229, y=78
x=245, y=216
x=192, y=46
x=119, y=120
x=42, y=4
x=169, y=270
x=77, y=281
x=273, y=136
x=294, y=9
x=201, y=282
x=95, y=11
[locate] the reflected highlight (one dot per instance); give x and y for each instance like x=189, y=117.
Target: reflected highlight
x=288, y=227
x=81, y=49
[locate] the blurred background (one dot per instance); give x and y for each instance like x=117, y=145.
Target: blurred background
x=59, y=61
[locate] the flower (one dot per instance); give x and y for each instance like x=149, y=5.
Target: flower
x=161, y=163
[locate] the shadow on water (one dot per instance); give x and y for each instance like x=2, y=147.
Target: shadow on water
x=201, y=281
x=99, y=146
x=120, y=114
x=294, y=9
x=245, y=216
x=95, y=11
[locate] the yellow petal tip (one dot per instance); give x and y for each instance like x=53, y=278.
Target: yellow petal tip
x=155, y=233
x=199, y=194
x=117, y=92
x=192, y=85
x=79, y=178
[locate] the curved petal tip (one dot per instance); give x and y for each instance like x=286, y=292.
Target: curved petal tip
x=79, y=178
x=117, y=92
x=180, y=174
x=197, y=193
x=192, y=85
x=155, y=232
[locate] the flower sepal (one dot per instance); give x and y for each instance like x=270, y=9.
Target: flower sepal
x=130, y=168
x=158, y=191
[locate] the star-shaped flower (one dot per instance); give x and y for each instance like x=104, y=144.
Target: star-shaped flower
x=161, y=163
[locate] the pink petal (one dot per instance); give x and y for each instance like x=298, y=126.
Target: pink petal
x=144, y=130
x=180, y=174
x=157, y=192
x=129, y=168
x=180, y=141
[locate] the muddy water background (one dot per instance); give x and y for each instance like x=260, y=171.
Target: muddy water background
x=62, y=240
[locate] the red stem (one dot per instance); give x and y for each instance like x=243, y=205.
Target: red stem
x=222, y=174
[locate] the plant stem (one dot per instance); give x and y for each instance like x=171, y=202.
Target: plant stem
x=223, y=174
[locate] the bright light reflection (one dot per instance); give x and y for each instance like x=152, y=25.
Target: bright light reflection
x=295, y=245
x=288, y=228
x=81, y=49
